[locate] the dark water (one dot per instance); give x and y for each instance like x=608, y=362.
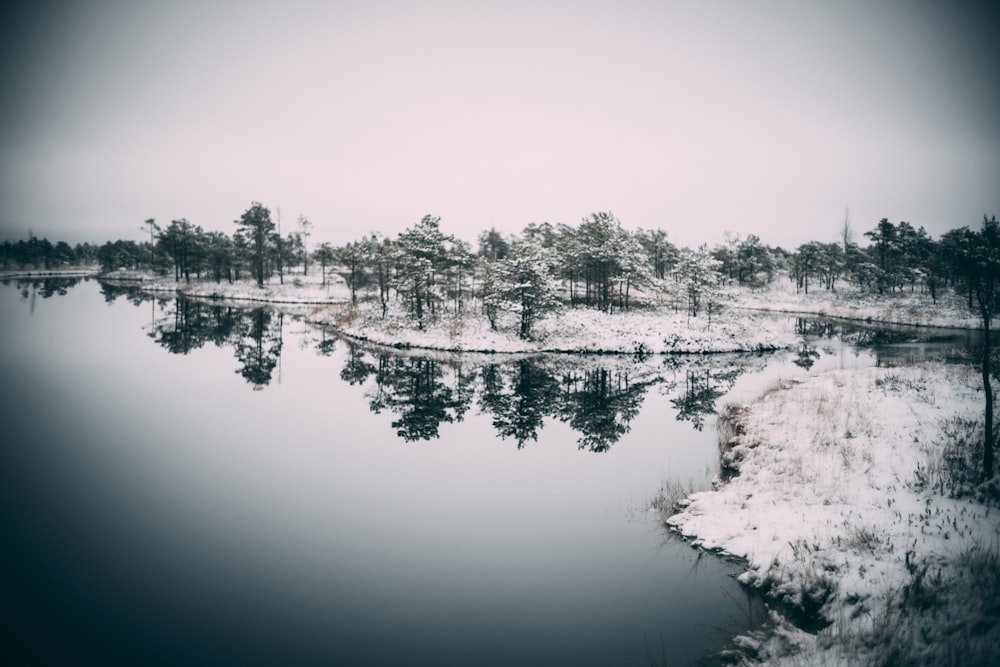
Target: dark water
x=189, y=483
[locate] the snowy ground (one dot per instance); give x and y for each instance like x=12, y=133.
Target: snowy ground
x=853, y=507
x=950, y=309
x=570, y=330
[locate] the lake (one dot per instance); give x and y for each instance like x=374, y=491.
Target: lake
x=192, y=482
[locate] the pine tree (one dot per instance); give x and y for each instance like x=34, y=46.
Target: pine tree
x=256, y=222
x=420, y=256
x=698, y=274
x=523, y=283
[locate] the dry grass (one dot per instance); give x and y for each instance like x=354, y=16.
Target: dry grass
x=672, y=497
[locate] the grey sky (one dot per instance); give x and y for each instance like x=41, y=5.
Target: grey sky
x=699, y=117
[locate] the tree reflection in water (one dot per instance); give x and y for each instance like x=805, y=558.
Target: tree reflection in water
x=600, y=404
x=697, y=401
x=32, y=288
x=258, y=345
x=598, y=397
x=255, y=335
x=416, y=391
x=112, y=292
x=518, y=396
x=806, y=356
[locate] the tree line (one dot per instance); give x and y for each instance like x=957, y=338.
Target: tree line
x=42, y=254
x=595, y=264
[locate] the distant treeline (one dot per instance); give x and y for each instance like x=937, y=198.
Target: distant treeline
x=42, y=254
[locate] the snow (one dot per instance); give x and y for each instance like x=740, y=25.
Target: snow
x=842, y=510
x=570, y=330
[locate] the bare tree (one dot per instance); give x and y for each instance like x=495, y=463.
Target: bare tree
x=846, y=233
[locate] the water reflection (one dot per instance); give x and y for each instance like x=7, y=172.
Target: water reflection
x=865, y=334
x=597, y=397
x=806, y=356
x=698, y=398
x=419, y=391
x=255, y=335
x=518, y=396
x=112, y=292
x=258, y=342
x=32, y=288
x=599, y=404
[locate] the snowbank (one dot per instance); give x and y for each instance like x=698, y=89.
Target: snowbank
x=851, y=505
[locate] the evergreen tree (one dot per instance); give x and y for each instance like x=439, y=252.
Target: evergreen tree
x=420, y=253
x=354, y=259
x=325, y=255
x=256, y=223
x=698, y=274
x=523, y=283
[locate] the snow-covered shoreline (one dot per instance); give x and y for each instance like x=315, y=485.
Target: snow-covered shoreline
x=652, y=330
x=851, y=504
x=39, y=274
x=574, y=330
x=745, y=323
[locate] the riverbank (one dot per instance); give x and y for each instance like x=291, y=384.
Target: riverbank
x=849, y=496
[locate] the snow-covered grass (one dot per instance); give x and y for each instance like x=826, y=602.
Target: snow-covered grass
x=646, y=331
x=851, y=497
x=904, y=307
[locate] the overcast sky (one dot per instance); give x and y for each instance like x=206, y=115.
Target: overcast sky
x=698, y=117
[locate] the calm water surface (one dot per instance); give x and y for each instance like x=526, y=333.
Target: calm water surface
x=190, y=483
